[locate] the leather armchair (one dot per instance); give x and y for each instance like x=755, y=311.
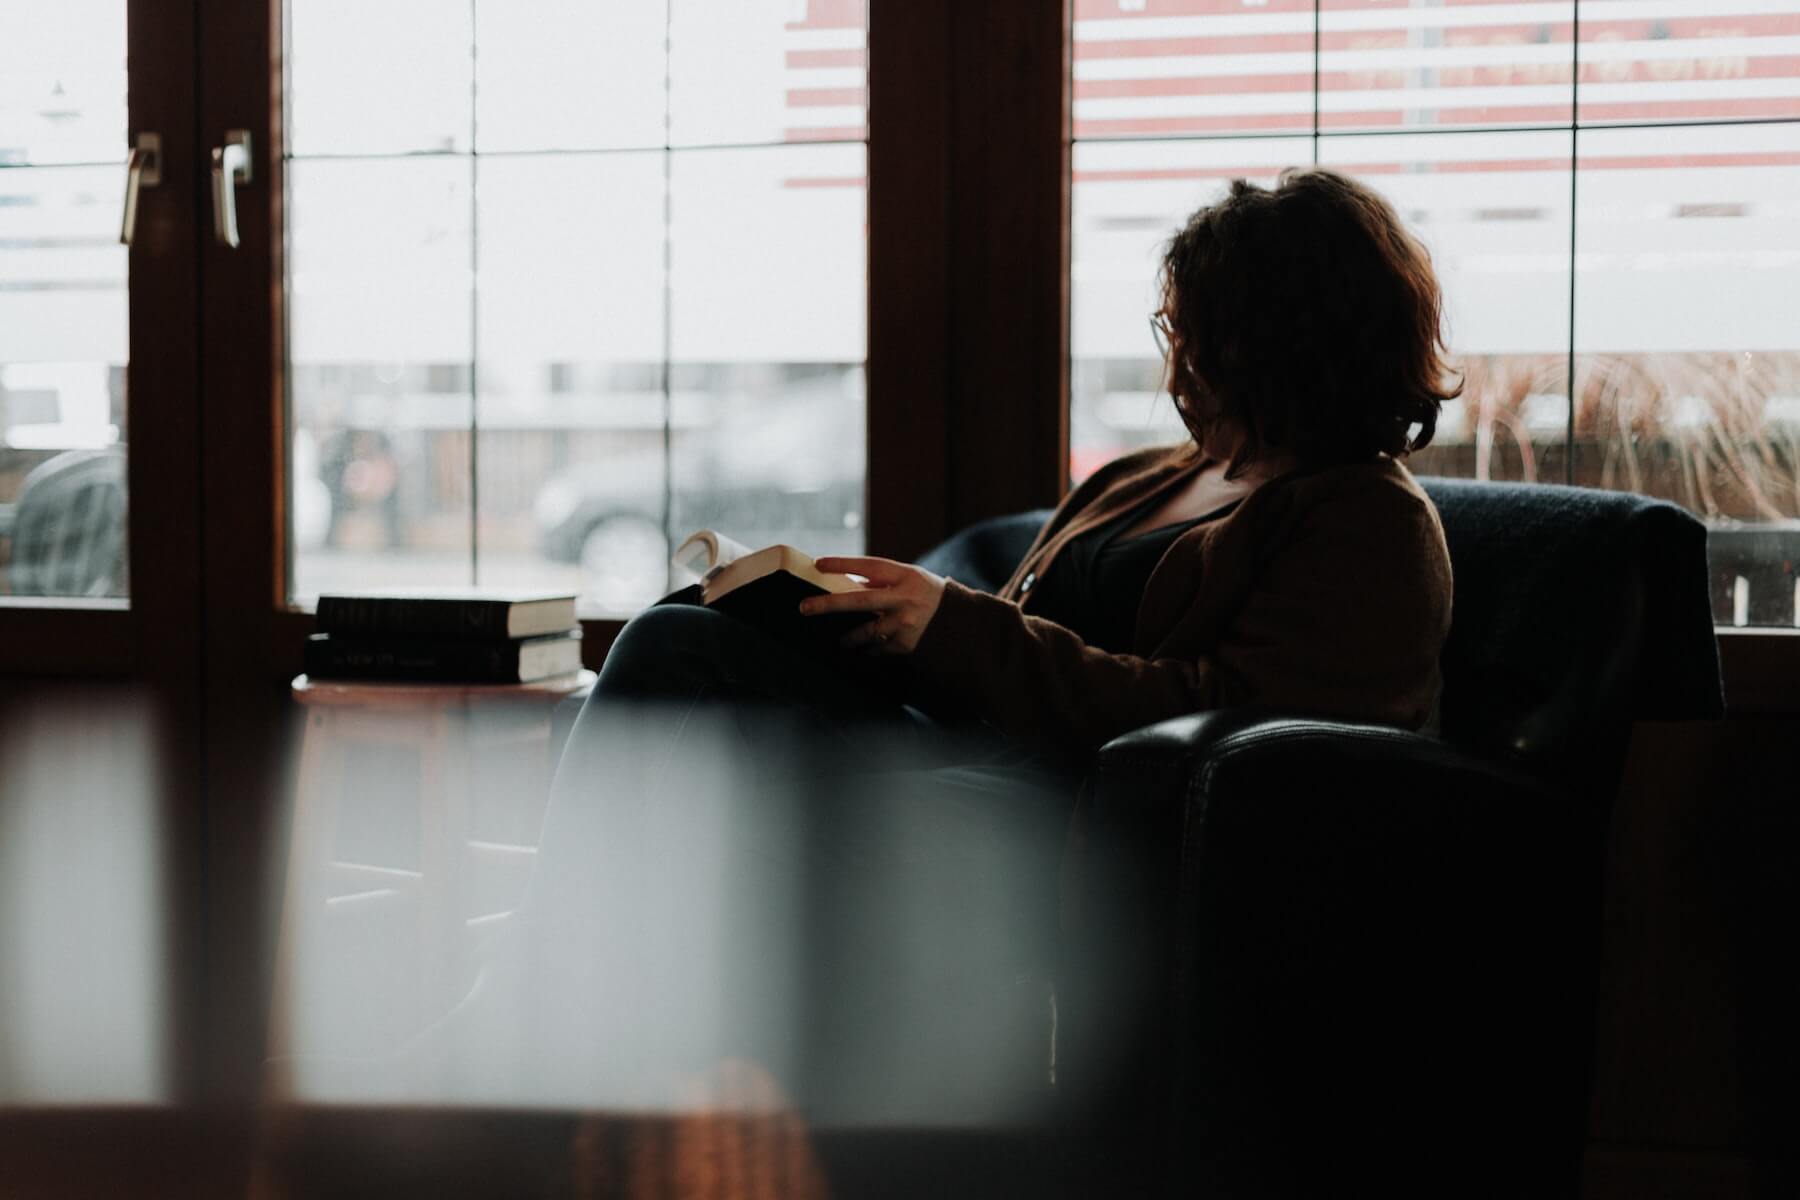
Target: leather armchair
x=1309, y=957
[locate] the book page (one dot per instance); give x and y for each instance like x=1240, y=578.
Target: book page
x=704, y=553
x=755, y=565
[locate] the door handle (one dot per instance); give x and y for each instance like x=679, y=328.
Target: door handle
x=143, y=168
x=230, y=171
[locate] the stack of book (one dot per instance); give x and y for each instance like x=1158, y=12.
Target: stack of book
x=460, y=635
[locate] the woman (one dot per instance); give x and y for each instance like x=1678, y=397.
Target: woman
x=1282, y=559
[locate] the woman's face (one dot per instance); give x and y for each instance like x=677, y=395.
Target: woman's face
x=1217, y=436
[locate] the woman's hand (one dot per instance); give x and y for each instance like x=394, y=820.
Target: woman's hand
x=903, y=598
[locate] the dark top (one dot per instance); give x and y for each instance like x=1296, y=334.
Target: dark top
x=1096, y=583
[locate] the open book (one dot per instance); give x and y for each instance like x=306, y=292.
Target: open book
x=765, y=587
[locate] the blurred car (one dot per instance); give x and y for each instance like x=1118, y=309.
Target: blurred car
x=765, y=469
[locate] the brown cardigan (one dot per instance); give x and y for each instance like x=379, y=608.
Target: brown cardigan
x=1325, y=593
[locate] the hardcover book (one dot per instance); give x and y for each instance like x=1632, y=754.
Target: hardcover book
x=447, y=612
x=443, y=660
x=765, y=587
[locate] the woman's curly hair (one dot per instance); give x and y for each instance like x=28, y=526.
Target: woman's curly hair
x=1310, y=318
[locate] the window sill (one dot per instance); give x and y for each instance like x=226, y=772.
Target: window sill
x=51, y=637
x=1761, y=668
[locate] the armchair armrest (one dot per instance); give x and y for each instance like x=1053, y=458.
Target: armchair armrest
x=1231, y=740
x=1301, y=937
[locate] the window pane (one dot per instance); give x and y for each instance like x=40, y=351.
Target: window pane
x=1390, y=64
x=62, y=382
x=1493, y=209
x=1689, y=355
x=1128, y=198
x=570, y=74
x=756, y=71
x=1687, y=360
x=62, y=82
x=768, y=334
x=62, y=301
x=1689, y=60
x=566, y=426
x=378, y=78
x=571, y=402
x=1161, y=67
x=379, y=344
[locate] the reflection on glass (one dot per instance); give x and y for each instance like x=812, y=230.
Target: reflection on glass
x=379, y=345
x=570, y=75
x=1688, y=354
x=1128, y=198
x=1493, y=209
x=1202, y=66
x=768, y=337
x=757, y=71
x=383, y=78
x=570, y=408
x=62, y=383
x=1436, y=65
x=1697, y=60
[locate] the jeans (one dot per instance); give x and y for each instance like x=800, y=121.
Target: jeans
x=752, y=851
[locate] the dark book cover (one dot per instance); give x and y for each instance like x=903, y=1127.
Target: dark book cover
x=772, y=603
x=442, y=660
x=466, y=613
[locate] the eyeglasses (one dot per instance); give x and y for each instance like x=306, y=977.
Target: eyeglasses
x=1159, y=329
x=1164, y=333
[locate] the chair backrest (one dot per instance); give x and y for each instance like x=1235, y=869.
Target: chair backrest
x=983, y=555
x=1576, y=611
x=68, y=535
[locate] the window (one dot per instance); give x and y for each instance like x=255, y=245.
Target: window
x=579, y=279
x=1610, y=190
x=62, y=302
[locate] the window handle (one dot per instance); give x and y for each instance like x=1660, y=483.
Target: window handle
x=230, y=170
x=143, y=168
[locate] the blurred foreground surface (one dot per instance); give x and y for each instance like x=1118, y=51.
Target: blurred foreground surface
x=743, y=962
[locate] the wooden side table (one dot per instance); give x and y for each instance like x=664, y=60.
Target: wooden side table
x=415, y=819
